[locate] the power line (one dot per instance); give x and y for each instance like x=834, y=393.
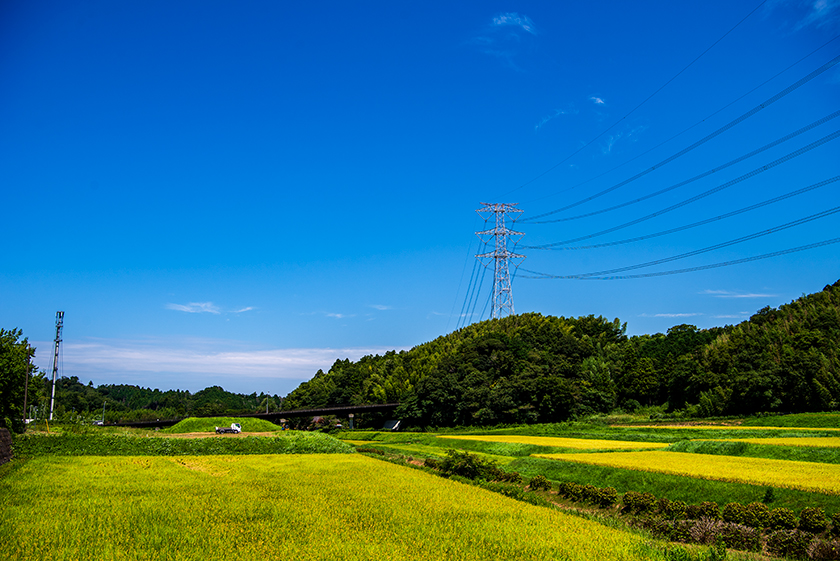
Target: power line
x=602, y=133
x=702, y=175
x=693, y=269
x=704, y=194
x=700, y=122
x=721, y=245
x=702, y=141
x=702, y=222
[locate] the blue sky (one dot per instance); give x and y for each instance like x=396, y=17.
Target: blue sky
x=241, y=194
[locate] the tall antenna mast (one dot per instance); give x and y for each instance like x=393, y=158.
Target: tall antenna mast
x=501, y=255
x=59, y=323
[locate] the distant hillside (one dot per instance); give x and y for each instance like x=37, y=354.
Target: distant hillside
x=535, y=368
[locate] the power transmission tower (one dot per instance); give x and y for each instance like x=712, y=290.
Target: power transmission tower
x=501, y=255
x=59, y=323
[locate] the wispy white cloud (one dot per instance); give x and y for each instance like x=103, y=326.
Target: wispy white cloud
x=197, y=363
x=677, y=315
x=514, y=19
x=821, y=13
x=195, y=308
x=338, y=315
x=557, y=113
x=381, y=307
x=597, y=100
x=742, y=315
x=247, y=309
x=518, y=34
x=730, y=294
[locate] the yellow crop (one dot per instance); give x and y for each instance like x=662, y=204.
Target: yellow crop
x=312, y=507
x=807, y=476
x=810, y=441
x=725, y=427
x=557, y=442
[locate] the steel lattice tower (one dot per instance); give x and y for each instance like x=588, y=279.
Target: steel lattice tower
x=59, y=323
x=501, y=255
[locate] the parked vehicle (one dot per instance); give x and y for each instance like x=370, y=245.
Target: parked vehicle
x=234, y=428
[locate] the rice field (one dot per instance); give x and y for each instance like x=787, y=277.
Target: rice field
x=560, y=442
x=805, y=476
x=805, y=442
x=296, y=507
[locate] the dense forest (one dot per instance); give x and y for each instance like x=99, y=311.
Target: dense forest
x=133, y=403
x=531, y=368
x=534, y=368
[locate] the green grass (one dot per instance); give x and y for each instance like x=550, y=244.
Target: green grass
x=813, y=420
x=290, y=442
x=674, y=487
x=752, y=450
x=209, y=424
x=304, y=508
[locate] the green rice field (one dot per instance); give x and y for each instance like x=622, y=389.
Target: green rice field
x=296, y=507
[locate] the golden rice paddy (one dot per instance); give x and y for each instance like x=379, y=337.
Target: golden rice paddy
x=806, y=476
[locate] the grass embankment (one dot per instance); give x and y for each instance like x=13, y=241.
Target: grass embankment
x=813, y=420
x=805, y=476
x=290, y=507
x=289, y=442
x=775, y=449
x=209, y=424
x=559, y=442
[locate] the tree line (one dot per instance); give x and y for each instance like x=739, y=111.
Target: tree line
x=525, y=368
x=531, y=368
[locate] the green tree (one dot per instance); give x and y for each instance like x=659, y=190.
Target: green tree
x=15, y=368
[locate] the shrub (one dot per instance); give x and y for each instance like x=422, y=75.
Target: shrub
x=607, y=497
x=781, y=519
x=738, y=536
x=540, y=483
x=638, y=503
x=789, y=543
x=734, y=512
x=835, y=524
x=676, y=510
x=590, y=494
x=433, y=463
x=824, y=549
x=756, y=515
x=571, y=491
x=662, y=505
x=509, y=477
x=705, y=530
x=467, y=465
x=769, y=496
x=709, y=509
x=813, y=520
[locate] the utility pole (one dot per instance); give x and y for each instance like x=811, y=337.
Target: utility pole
x=26, y=383
x=59, y=323
x=501, y=255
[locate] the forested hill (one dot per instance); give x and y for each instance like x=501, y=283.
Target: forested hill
x=535, y=368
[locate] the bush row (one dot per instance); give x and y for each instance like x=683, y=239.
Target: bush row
x=114, y=445
x=755, y=515
x=603, y=497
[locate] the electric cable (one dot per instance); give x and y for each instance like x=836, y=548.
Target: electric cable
x=700, y=122
x=721, y=245
x=701, y=222
x=602, y=133
x=707, y=138
x=704, y=194
x=702, y=175
x=695, y=269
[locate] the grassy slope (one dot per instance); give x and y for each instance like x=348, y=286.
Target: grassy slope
x=290, y=442
x=753, y=450
x=674, y=487
x=209, y=424
x=292, y=507
x=814, y=420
